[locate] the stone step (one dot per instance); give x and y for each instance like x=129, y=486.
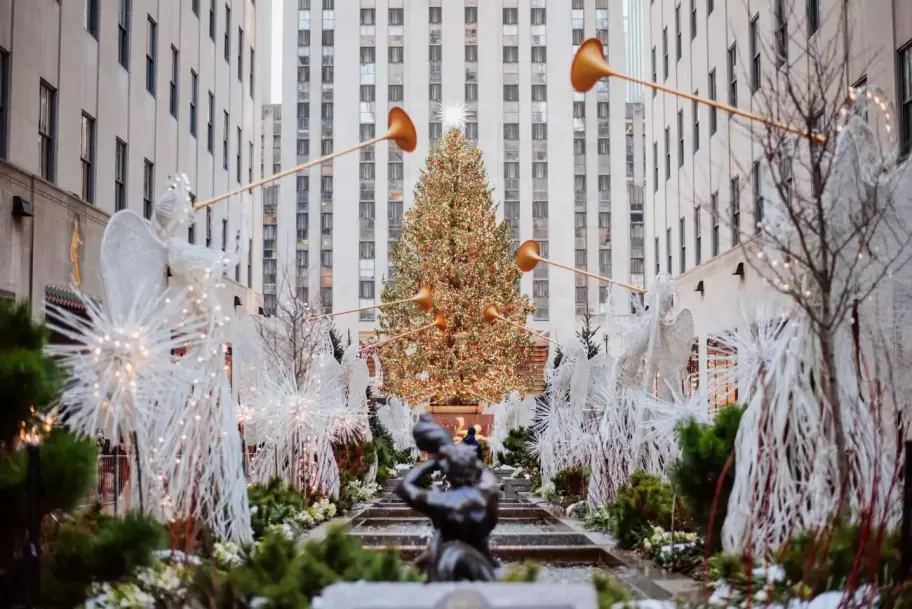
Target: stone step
x=544, y=538
x=528, y=511
x=556, y=554
x=419, y=520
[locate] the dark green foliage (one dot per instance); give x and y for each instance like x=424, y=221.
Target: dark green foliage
x=275, y=503
x=572, y=483
x=289, y=576
x=643, y=502
x=824, y=560
x=705, y=448
x=29, y=378
x=525, y=573
x=516, y=453
x=589, y=335
x=98, y=548
x=337, y=345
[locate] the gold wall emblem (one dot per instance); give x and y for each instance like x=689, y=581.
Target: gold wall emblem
x=75, y=242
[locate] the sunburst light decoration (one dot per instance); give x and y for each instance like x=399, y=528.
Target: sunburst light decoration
x=120, y=364
x=453, y=114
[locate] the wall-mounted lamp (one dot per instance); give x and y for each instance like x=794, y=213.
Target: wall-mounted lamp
x=262, y=311
x=700, y=288
x=237, y=301
x=23, y=208
x=739, y=270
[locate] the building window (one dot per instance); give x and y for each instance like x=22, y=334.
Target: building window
x=471, y=52
x=151, y=53
x=665, y=53
x=435, y=91
x=250, y=163
x=680, y=138
x=683, y=245
x=602, y=110
x=698, y=237
x=713, y=112
x=655, y=166
x=695, y=109
x=120, y=175
x=539, y=170
x=87, y=155
x=539, y=93
x=240, y=55
x=252, y=65
x=510, y=16
x=655, y=76
x=148, y=185
x=396, y=16
x=367, y=55
x=758, y=197
x=123, y=34
x=693, y=19
x=679, y=52
x=714, y=216
x=396, y=55
x=326, y=258
x=511, y=131
x=224, y=233
x=733, y=75
x=210, y=122
x=813, y=16
x=667, y=153
x=395, y=92
x=4, y=102
x=47, y=131
x=755, y=54
x=195, y=6
x=735, y=203
x=366, y=290
x=92, y=14
x=209, y=226
x=781, y=33
x=227, y=49
x=510, y=55
x=471, y=14
x=368, y=16
x=191, y=234
x=194, y=95
x=905, y=100
x=539, y=54
x=175, y=78
x=710, y=5
x=225, y=141
x=366, y=250
x=435, y=14
x=668, y=250
x=511, y=92
x=658, y=258
x=238, y=167
x=212, y=20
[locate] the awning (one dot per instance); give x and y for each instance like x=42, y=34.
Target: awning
x=66, y=298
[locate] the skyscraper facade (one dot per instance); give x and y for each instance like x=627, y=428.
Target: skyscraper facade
x=557, y=160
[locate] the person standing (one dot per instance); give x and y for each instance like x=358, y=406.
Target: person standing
x=471, y=440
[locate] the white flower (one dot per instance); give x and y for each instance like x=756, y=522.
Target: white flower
x=227, y=554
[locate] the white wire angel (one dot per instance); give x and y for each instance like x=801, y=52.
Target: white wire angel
x=506, y=415
x=398, y=419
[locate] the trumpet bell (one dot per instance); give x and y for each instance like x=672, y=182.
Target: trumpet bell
x=401, y=130
x=529, y=254
x=440, y=322
x=589, y=66
x=424, y=300
x=490, y=313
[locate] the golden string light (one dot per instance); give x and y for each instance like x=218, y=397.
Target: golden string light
x=423, y=299
x=529, y=255
x=401, y=130
x=589, y=66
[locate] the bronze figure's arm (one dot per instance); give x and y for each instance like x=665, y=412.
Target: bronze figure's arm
x=409, y=491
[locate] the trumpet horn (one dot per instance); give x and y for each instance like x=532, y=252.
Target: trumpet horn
x=589, y=66
x=491, y=313
x=400, y=129
x=529, y=255
x=423, y=299
x=439, y=322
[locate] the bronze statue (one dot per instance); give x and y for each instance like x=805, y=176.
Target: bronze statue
x=463, y=515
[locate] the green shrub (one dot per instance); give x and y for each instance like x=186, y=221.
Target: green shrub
x=524, y=573
x=572, y=483
x=601, y=520
x=644, y=501
x=274, y=503
x=705, y=448
x=609, y=591
x=824, y=560
x=98, y=548
x=516, y=449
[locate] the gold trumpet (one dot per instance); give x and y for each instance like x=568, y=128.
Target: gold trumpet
x=492, y=313
x=401, y=130
x=439, y=322
x=589, y=66
x=423, y=299
x=529, y=255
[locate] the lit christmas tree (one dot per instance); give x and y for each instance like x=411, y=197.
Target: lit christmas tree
x=451, y=242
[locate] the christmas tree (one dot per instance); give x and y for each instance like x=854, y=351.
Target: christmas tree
x=452, y=243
